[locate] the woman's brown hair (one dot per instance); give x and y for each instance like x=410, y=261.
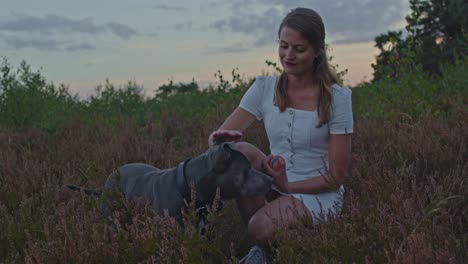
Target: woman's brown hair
x=309, y=23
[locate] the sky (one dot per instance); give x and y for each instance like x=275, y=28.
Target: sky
x=83, y=43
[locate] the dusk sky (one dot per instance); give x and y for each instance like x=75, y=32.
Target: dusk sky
x=82, y=43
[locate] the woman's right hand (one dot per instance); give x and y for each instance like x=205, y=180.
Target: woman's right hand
x=223, y=135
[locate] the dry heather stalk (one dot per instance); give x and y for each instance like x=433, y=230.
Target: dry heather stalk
x=420, y=251
x=438, y=206
x=216, y=201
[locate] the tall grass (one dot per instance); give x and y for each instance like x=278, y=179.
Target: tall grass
x=405, y=200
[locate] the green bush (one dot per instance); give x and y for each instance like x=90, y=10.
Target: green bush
x=27, y=101
x=414, y=94
x=111, y=105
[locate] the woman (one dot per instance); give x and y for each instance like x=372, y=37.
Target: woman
x=308, y=120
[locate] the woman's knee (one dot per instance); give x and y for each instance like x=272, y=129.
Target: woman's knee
x=282, y=212
x=252, y=153
x=261, y=229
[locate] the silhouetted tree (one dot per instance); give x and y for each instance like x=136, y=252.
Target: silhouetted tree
x=436, y=33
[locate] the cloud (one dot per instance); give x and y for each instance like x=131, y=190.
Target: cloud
x=46, y=44
x=121, y=30
x=261, y=27
x=169, y=8
x=186, y=26
x=40, y=44
x=51, y=24
x=237, y=48
x=345, y=21
x=54, y=32
x=79, y=46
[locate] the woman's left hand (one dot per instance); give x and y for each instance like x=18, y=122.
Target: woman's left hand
x=280, y=179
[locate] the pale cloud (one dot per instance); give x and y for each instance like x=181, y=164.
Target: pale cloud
x=121, y=30
x=169, y=8
x=259, y=27
x=186, y=26
x=51, y=24
x=236, y=48
x=345, y=21
x=54, y=32
x=46, y=44
x=79, y=46
x=40, y=44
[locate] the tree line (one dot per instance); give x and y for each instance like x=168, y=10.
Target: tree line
x=435, y=34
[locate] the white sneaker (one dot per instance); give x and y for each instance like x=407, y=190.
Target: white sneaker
x=256, y=255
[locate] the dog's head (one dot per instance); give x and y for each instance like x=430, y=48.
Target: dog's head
x=232, y=172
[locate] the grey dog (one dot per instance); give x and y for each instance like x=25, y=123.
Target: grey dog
x=221, y=166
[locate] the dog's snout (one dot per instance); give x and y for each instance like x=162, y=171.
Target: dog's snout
x=257, y=183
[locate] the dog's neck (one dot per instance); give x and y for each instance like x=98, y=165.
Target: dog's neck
x=189, y=174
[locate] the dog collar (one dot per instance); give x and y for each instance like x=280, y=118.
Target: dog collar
x=185, y=190
x=181, y=179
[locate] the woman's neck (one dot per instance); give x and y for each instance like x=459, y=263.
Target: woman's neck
x=304, y=82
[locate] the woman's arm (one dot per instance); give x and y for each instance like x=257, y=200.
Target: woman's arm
x=339, y=155
x=233, y=126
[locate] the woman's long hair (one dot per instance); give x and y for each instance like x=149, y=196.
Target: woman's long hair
x=309, y=23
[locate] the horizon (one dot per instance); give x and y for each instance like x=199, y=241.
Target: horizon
x=83, y=44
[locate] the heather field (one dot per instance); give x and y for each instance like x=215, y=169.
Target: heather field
x=406, y=193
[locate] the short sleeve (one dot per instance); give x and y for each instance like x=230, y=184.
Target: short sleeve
x=252, y=99
x=341, y=112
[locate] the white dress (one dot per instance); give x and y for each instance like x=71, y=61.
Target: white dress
x=294, y=136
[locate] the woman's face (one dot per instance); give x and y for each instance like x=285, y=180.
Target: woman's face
x=295, y=52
